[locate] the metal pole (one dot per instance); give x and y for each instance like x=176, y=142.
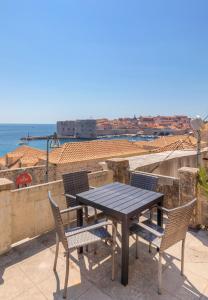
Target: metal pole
x=198, y=156
x=47, y=156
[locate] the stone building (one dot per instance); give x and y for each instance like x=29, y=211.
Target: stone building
x=66, y=128
x=85, y=129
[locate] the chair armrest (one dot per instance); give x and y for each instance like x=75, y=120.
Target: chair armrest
x=92, y=187
x=144, y=212
x=70, y=209
x=166, y=210
x=151, y=230
x=70, y=196
x=87, y=228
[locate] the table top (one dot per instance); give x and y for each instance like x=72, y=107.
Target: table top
x=119, y=199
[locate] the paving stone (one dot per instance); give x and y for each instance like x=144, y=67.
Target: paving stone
x=32, y=293
x=26, y=272
x=13, y=282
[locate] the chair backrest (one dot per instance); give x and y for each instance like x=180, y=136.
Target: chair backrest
x=177, y=224
x=74, y=183
x=59, y=227
x=143, y=181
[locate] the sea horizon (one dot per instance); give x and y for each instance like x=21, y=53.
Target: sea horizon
x=11, y=133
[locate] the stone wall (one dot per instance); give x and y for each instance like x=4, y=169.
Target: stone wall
x=31, y=213
x=169, y=186
x=102, y=132
x=91, y=165
x=100, y=178
x=120, y=169
x=189, y=189
x=37, y=173
x=171, y=166
x=26, y=213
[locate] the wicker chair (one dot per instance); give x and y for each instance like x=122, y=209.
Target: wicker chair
x=144, y=181
x=79, y=237
x=175, y=230
x=75, y=183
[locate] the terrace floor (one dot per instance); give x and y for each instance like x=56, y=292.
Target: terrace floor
x=26, y=272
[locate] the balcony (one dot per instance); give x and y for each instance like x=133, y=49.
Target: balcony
x=26, y=272
x=27, y=247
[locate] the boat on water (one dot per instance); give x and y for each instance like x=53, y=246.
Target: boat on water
x=21, y=143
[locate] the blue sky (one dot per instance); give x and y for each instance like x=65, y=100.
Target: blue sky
x=69, y=59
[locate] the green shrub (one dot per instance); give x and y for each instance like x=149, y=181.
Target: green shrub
x=203, y=180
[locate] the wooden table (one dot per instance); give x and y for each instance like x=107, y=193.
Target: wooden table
x=122, y=202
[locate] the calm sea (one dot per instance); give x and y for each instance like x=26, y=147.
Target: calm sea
x=10, y=135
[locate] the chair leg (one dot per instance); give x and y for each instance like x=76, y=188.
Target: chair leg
x=95, y=216
x=160, y=274
x=114, y=234
x=95, y=248
x=151, y=215
x=86, y=214
x=56, y=253
x=182, y=257
x=66, y=275
x=150, y=247
x=137, y=247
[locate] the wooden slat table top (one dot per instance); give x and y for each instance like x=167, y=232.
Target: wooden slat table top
x=119, y=199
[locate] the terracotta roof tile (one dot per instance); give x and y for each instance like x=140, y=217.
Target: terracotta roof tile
x=2, y=161
x=178, y=145
x=26, y=150
x=80, y=151
x=23, y=154
x=164, y=141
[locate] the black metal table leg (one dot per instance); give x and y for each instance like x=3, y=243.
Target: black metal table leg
x=160, y=214
x=125, y=252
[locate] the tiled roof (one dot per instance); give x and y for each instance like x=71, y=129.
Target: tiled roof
x=29, y=160
x=27, y=150
x=80, y=151
x=177, y=145
x=22, y=155
x=142, y=144
x=166, y=141
x=2, y=161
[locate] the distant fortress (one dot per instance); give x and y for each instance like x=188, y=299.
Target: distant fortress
x=83, y=129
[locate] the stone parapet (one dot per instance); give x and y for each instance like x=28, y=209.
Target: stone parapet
x=120, y=168
x=5, y=184
x=188, y=184
x=5, y=215
x=188, y=191
x=26, y=213
x=100, y=178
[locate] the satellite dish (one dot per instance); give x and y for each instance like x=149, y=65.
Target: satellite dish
x=197, y=123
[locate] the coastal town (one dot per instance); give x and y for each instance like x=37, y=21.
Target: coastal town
x=109, y=166
x=104, y=150
x=150, y=125
x=87, y=152
x=166, y=133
